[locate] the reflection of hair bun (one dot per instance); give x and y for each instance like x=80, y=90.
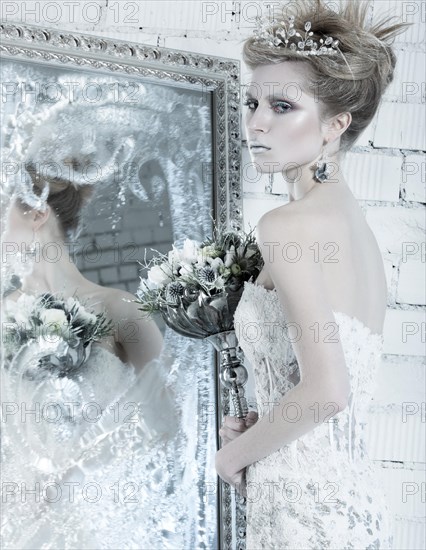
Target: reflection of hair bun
x=354, y=81
x=65, y=199
x=73, y=150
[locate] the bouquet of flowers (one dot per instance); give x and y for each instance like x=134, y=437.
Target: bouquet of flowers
x=197, y=289
x=63, y=330
x=210, y=274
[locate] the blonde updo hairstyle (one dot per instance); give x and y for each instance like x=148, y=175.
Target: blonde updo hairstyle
x=65, y=198
x=354, y=82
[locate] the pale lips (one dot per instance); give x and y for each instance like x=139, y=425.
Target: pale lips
x=256, y=148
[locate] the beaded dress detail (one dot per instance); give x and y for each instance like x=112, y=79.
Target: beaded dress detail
x=321, y=491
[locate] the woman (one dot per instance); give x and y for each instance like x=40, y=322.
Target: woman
x=303, y=466
x=101, y=475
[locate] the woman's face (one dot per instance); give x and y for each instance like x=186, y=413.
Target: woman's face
x=281, y=118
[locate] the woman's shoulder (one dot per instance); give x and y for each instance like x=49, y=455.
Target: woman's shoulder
x=315, y=213
x=120, y=303
x=121, y=307
x=104, y=298
x=279, y=221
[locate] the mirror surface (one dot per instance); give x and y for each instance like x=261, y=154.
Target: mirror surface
x=146, y=146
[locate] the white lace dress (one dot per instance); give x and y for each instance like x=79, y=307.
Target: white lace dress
x=320, y=491
x=88, y=461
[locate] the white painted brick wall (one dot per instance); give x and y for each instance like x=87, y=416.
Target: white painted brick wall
x=406, y=130
x=412, y=283
x=410, y=534
x=408, y=380
x=373, y=177
x=412, y=11
x=398, y=228
x=410, y=76
x=414, y=178
x=406, y=494
x=386, y=171
x=392, y=438
x=404, y=332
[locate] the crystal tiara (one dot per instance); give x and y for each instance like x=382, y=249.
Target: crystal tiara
x=287, y=37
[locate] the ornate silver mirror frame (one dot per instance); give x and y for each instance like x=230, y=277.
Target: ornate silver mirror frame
x=219, y=79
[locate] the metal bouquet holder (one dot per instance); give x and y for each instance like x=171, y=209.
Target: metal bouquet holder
x=198, y=315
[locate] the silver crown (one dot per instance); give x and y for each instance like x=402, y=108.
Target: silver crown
x=286, y=36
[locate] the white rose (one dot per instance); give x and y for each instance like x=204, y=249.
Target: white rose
x=146, y=285
x=21, y=319
x=85, y=317
x=26, y=303
x=201, y=260
x=185, y=270
x=71, y=302
x=209, y=251
x=22, y=309
x=12, y=308
x=173, y=259
x=151, y=285
x=56, y=316
x=190, y=251
x=216, y=264
x=160, y=274
x=171, y=256
x=174, y=256
x=230, y=256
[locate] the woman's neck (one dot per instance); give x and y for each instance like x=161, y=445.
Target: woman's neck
x=303, y=183
x=53, y=271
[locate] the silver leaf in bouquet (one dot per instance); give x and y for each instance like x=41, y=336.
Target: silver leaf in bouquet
x=59, y=357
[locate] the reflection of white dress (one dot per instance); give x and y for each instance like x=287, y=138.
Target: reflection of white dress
x=320, y=491
x=96, y=460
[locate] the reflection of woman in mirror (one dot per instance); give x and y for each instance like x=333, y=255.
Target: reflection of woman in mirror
x=37, y=229
x=99, y=471
x=304, y=464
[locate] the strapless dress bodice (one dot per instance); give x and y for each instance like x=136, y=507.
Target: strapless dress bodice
x=260, y=324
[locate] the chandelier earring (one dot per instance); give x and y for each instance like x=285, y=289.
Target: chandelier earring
x=31, y=249
x=323, y=170
x=270, y=184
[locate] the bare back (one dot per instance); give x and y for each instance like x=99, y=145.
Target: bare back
x=348, y=252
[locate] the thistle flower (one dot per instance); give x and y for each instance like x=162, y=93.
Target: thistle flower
x=207, y=275
x=173, y=291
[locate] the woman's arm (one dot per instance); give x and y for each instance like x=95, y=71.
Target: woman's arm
x=299, y=412
x=324, y=381
x=140, y=338
x=142, y=343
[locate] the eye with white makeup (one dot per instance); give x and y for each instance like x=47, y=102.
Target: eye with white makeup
x=278, y=106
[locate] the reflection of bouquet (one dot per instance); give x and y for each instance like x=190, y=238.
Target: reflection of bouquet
x=63, y=330
x=200, y=272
